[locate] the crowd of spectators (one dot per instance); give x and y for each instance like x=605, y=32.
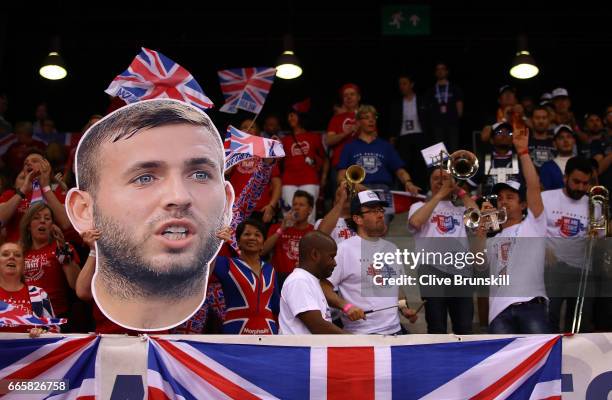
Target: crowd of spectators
x=43, y=256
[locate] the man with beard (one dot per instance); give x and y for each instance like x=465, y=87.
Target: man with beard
x=150, y=178
x=567, y=219
x=357, y=275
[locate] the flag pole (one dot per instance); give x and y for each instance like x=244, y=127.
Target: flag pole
x=253, y=121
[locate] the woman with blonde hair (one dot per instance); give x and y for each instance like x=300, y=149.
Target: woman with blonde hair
x=50, y=262
x=32, y=300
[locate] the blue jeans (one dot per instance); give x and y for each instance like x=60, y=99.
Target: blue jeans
x=528, y=317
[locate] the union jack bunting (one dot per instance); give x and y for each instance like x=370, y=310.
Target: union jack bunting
x=245, y=88
x=249, y=196
x=240, y=146
x=71, y=359
x=152, y=75
x=509, y=368
x=13, y=316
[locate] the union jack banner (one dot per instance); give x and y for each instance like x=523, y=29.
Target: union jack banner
x=152, y=75
x=240, y=146
x=245, y=88
x=247, y=199
x=13, y=316
x=71, y=359
x=509, y=368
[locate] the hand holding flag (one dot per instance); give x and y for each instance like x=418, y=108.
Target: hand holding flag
x=241, y=146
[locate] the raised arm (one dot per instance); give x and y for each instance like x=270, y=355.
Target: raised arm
x=59, y=211
x=83, y=281
x=520, y=140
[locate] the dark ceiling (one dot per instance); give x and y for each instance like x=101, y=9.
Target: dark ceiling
x=335, y=41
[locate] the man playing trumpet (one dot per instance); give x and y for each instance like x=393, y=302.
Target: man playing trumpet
x=520, y=307
x=438, y=227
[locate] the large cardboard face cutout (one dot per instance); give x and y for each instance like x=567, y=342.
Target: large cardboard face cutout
x=150, y=179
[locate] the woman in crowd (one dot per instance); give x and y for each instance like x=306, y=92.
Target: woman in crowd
x=32, y=300
x=249, y=284
x=304, y=160
x=50, y=262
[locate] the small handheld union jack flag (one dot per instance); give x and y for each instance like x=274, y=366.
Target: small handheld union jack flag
x=245, y=88
x=152, y=75
x=13, y=316
x=240, y=146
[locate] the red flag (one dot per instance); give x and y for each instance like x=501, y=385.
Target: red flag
x=401, y=201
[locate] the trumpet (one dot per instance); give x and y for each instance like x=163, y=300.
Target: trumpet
x=492, y=219
x=461, y=164
x=355, y=174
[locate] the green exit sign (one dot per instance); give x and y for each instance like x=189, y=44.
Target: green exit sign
x=407, y=20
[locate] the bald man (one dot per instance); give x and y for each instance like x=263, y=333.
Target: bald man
x=303, y=308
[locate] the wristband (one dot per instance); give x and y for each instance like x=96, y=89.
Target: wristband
x=279, y=231
x=461, y=193
x=46, y=189
x=92, y=253
x=346, y=308
x=20, y=193
x=523, y=152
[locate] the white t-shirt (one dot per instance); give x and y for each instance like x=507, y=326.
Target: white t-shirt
x=301, y=292
x=562, y=162
x=341, y=232
x=518, y=251
x=410, y=117
x=568, y=222
x=354, y=279
x=443, y=232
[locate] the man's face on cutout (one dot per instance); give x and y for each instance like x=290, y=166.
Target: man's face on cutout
x=160, y=199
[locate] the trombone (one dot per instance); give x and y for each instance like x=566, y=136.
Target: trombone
x=598, y=222
x=355, y=174
x=492, y=219
x=461, y=164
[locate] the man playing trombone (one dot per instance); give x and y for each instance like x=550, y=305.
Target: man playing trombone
x=518, y=251
x=567, y=215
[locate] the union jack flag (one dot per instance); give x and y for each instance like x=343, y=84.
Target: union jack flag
x=240, y=146
x=152, y=75
x=245, y=88
x=509, y=368
x=72, y=359
x=13, y=316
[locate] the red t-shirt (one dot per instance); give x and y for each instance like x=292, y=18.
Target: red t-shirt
x=286, y=250
x=343, y=122
x=43, y=270
x=296, y=171
x=12, y=226
x=241, y=174
x=20, y=300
